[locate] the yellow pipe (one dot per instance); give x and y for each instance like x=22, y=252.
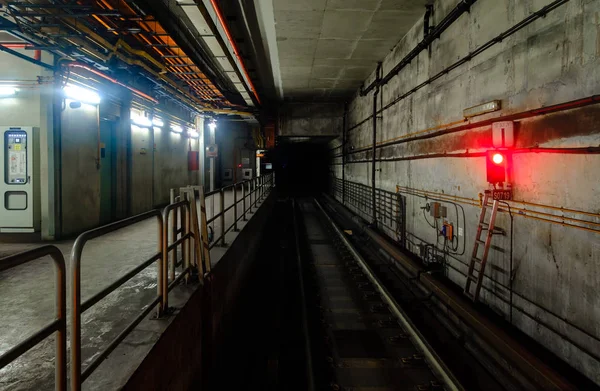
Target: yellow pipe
x=519, y=202
x=525, y=213
x=124, y=45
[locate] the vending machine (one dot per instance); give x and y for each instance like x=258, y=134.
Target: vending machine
x=17, y=179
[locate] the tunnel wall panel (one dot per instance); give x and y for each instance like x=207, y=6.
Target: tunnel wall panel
x=556, y=269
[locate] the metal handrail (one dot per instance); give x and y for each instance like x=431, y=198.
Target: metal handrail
x=185, y=239
x=77, y=376
x=58, y=325
x=257, y=186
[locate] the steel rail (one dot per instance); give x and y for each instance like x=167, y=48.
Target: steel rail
x=505, y=345
x=433, y=359
x=303, y=307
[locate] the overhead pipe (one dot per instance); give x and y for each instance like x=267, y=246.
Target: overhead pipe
x=449, y=128
x=345, y=124
x=193, y=102
x=373, y=168
x=565, y=151
x=111, y=79
x=499, y=38
x=12, y=45
x=462, y=7
x=234, y=47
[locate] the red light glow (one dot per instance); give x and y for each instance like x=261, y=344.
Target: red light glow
x=498, y=158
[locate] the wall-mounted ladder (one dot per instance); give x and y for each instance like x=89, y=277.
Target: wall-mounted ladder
x=476, y=275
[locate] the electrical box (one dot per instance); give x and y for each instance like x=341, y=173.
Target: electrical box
x=437, y=210
x=228, y=174
x=503, y=134
x=247, y=173
x=448, y=231
x=212, y=150
x=193, y=160
x=17, y=179
x=434, y=211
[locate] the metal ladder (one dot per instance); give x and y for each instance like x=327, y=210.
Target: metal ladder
x=475, y=275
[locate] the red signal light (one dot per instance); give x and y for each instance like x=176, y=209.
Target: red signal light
x=498, y=158
x=496, y=166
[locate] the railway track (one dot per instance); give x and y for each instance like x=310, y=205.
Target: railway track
x=360, y=338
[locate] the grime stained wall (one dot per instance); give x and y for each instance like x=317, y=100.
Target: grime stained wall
x=311, y=119
x=556, y=59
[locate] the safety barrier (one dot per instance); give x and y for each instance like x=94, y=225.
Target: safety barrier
x=253, y=191
x=77, y=375
x=257, y=187
x=390, y=206
x=185, y=241
x=58, y=325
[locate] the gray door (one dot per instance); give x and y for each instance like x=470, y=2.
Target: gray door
x=107, y=171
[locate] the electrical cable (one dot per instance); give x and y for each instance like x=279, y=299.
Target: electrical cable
x=510, y=277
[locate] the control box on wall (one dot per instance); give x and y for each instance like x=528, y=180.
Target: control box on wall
x=18, y=176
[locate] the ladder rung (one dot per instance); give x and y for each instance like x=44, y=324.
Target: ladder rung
x=472, y=278
x=475, y=259
x=470, y=295
x=480, y=241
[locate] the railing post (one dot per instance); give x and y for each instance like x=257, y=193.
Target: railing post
x=235, y=210
x=163, y=261
x=260, y=188
x=244, y=202
x=187, y=244
x=173, y=230
x=250, y=188
x=222, y=202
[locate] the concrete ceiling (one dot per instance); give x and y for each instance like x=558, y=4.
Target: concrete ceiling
x=328, y=47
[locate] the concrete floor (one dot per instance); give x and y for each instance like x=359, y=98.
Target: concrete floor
x=27, y=303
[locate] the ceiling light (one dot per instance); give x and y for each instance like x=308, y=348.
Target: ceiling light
x=141, y=121
x=176, y=129
x=82, y=95
x=7, y=91
x=193, y=133
x=158, y=122
x=212, y=125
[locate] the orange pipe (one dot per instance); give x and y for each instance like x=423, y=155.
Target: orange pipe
x=16, y=45
x=113, y=80
x=235, y=50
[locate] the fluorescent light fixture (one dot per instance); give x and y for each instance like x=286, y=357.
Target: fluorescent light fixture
x=212, y=125
x=141, y=121
x=82, y=95
x=485, y=108
x=158, y=122
x=192, y=133
x=7, y=91
x=176, y=129
x=138, y=128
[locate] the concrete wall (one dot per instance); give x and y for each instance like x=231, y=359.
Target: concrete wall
x=555, y=268
x=235, y=143
x=312, y=119
x=148, y=162
x=171, y=163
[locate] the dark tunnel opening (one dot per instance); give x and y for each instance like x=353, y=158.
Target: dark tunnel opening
x=302, y=169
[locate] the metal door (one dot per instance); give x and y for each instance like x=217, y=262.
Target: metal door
x=107, y=168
